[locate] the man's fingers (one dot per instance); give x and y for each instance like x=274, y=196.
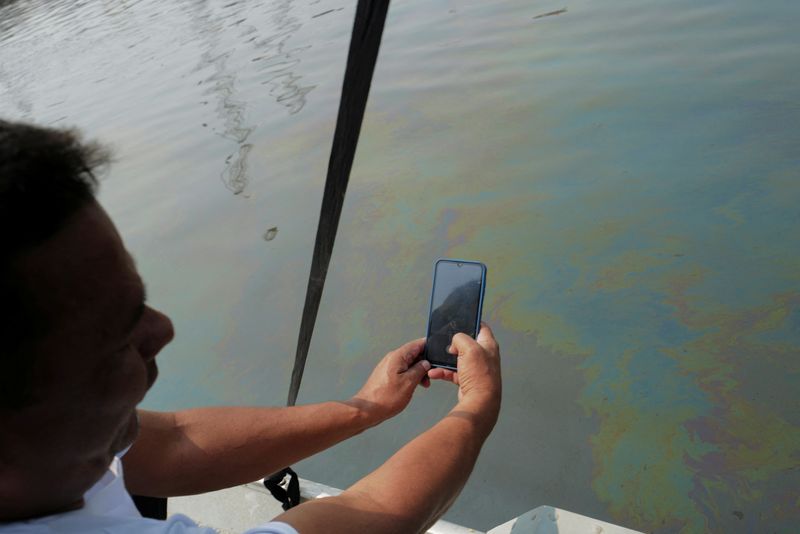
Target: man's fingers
x=443, y=374
x=437, y=373
x=417, y=371
x=409, y=353
x=426, y=381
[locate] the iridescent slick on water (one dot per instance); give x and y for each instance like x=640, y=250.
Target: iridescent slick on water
x=627, y=170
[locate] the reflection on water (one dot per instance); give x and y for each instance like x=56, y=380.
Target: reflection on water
x=274, y=65
x=221, y=85
x=232, y=112
x=277, y=63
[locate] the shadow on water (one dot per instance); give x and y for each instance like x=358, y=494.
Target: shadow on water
x=275, y=67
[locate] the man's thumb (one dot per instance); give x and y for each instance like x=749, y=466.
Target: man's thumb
x=462, y=342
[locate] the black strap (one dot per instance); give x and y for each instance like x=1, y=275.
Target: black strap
x=151, y=507
x=284, y=486
x=364, y=44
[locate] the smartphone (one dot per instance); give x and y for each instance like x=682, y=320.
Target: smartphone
x=456, y=304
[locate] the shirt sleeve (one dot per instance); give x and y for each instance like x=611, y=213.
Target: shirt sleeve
x=273, y=527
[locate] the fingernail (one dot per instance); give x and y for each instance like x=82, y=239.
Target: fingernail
x=426, y=365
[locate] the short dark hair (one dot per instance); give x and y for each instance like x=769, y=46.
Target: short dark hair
x=46, y=175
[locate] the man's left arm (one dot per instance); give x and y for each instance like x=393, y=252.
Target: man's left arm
x=206, y=449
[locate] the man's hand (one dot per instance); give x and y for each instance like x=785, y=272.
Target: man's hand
x=389, y=388
x=478, y=376
x=418, y=483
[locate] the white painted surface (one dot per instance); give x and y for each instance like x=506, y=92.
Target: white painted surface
x=236, y=509
x=549, y=520
x=229, y=511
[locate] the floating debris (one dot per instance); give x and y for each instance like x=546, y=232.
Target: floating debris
x=270, y=234
x=550, y=14
x=326, y=12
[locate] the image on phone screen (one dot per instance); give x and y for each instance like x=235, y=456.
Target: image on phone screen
x=456, y=301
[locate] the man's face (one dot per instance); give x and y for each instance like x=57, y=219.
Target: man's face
x=93, y=366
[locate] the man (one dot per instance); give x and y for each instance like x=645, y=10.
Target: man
x=79, y=348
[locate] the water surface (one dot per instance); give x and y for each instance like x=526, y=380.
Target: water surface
x=627, y=170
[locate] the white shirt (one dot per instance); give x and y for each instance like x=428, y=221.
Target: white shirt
x=109, y=509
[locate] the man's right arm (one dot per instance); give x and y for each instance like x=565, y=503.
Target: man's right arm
x=415, y=486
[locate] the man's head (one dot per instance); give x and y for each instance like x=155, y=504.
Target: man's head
x=46, y=176
x=78, y=343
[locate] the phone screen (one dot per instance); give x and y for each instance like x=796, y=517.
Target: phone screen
x=455, y=307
